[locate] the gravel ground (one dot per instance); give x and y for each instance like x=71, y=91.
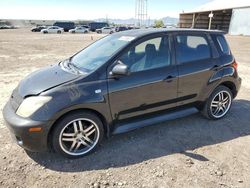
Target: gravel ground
x=187, y=152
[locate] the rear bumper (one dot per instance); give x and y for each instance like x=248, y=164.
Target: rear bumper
x=19, y=128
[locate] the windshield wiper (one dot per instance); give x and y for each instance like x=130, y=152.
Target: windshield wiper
x=72, y=65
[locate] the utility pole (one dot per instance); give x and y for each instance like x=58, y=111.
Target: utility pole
x=141, y=13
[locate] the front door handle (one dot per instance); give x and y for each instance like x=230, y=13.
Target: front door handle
x=169, y=78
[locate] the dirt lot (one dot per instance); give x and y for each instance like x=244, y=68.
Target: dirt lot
x=188, y=152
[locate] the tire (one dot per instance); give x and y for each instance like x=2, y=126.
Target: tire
x=59, y=32
x=218, y=104
x=77, y=134
x=45, y=32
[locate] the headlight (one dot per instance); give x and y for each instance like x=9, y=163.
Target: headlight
x=31, y=104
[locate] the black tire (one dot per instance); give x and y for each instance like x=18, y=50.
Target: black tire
x=63, y=125
x=59, y=32
x=207, y=110
x=45, y=32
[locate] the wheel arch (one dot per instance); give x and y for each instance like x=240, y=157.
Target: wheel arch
x=102, y=118
x=231, y=86
x=227, y=83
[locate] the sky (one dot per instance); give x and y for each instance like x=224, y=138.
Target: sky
x=91, y=9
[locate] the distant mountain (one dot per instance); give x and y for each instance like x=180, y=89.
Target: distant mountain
x=167, y=21
x=170, y=20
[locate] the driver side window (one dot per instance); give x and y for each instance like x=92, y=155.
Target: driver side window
x=151, y=54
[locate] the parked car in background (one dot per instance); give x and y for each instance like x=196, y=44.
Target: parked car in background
x=79, y=30
x=121, y=28
x=132, y=27
x=120, y=83
x=7, y=27
x=38, y=28
x=53, y=29
x=106, y=30
x=85, y=26
x=65, y=25
x=97, y=25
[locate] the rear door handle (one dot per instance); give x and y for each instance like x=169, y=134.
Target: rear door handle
x=216, y=67
x=169, y=78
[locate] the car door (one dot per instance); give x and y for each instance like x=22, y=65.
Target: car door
x=54, y=29
x=104, y=30
x=152, y=83
x=51, y=30
x=195, y=65
x=78, y=30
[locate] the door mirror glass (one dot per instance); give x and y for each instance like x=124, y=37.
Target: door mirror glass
x=120, y=69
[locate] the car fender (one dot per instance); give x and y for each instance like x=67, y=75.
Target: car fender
x=76, y=96
x=222, y=75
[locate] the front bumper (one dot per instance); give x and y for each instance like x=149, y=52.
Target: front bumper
x=19, y=128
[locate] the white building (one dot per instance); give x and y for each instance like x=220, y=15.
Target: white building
x=232, y=16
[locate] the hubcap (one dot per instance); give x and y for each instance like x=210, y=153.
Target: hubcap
x=220, y=104
x=79, y=136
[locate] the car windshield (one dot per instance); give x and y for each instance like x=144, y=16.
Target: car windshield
x=98, y=53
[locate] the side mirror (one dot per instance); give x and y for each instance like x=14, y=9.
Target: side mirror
x=120, y=69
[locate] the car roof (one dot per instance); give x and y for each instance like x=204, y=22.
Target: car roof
x=142, y=32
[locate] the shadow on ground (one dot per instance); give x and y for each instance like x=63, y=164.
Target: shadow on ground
x=177, y=136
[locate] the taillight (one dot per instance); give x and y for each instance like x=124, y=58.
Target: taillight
x=235, y=65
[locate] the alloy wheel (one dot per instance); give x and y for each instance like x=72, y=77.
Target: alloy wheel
x=79, y=137
x=220, y=104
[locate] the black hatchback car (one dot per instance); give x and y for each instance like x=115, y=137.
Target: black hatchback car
x=122, y=82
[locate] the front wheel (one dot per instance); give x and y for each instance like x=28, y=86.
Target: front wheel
x=59, y=32
x=77, y=134
x=218, y=104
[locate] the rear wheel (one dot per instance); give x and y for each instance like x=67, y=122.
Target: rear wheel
x=59, y=32
x=218, y=104
x=77, y=135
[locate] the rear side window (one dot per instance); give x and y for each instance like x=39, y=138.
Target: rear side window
x=223, y=45
x=191, y=48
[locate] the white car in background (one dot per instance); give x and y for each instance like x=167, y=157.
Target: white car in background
x=53, y=29
x=79, y=30
x=106, y=30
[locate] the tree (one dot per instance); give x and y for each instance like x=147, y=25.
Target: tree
x=159, y=23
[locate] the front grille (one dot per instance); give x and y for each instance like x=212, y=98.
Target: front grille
x=15, y=99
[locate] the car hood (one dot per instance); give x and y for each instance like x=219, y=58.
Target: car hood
x=44, y=79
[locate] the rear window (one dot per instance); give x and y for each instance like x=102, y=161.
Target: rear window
x=223, y=45
x=191, y=48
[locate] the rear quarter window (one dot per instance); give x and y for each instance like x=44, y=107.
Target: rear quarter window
x=223, y=46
